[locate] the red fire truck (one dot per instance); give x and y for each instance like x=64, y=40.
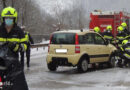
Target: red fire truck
x=103, y=19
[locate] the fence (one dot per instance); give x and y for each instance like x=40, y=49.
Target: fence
x=38, y=38
x=39, y=45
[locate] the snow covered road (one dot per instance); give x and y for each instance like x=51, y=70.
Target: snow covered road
x=67, y=78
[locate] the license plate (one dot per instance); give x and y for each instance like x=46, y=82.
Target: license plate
x=61, y=50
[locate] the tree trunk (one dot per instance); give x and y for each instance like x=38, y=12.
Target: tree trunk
x=4, y=3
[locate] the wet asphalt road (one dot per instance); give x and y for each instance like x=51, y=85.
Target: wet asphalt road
x=67, y=78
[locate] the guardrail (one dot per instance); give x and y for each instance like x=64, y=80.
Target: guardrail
x=39, y=45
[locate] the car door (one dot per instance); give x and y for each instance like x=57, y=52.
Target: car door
x=90, y=48
x=102, y=48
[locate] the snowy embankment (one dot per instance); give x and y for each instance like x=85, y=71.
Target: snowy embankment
x=38, y=52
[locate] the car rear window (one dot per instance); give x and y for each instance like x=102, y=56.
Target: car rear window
x=63, y=38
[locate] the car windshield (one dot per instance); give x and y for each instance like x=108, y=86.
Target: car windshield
x=63, y=38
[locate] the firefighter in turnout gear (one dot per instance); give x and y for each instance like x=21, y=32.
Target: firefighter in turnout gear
x=97, y=30
x=126, y=31
x=126, y=49
x=120, y=36
x=12, y=34
x=108, y=34
x=29, y=42
x=124, y=54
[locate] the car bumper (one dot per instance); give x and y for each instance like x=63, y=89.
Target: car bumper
x=68, y=59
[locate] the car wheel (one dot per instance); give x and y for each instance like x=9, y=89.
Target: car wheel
x=112, y=61
x=83, y=65
x=52, y=67
x=101, y=65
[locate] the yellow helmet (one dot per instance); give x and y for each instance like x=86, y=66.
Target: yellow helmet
x=97, y=29
x=109, y=28
x=9, y=12
x=124, y=24
x=120, y=28
x=125, y=42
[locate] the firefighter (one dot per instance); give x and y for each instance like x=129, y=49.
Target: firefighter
x=29, y=42
x=124, y=25
x=12, y=34
x=120, y=36
x=124, y=54
x=126, y=31
x=108, y=34
x=97, y=30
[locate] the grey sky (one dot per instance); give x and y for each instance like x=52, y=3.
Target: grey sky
x=88, y=5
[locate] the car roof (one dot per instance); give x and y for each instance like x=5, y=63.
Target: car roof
x=79, y=32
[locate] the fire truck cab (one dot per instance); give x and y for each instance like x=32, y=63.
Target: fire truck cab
x=103, y=19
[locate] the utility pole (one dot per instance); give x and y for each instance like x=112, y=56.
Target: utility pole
x=4, y=3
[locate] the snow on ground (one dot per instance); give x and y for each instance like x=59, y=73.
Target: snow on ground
x=45, y=42
x=67, y=78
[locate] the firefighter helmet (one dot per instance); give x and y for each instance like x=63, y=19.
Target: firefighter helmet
x=9, y=12
x=120, y=28
x=109, y=28
x=125, y=42
x=124, y=24
x=97, y=29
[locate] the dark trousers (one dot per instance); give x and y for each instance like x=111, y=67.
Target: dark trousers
x=126, y=60
x=27, y=56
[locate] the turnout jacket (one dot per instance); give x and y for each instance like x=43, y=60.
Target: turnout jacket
x=15, y=35
x=108, y=36
x=14, y=73
x=126, y=49
x=29, y=38
x=120, y=37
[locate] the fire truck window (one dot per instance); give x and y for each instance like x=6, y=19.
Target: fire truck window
x=99, y=40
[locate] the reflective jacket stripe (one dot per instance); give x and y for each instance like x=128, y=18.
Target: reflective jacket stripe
x=26, y=36
x=121, y=38
x=2, y=40
x=127, y=55
x=110, y=37
x=13, y=40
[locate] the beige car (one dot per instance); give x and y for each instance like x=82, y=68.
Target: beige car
x=78, y=48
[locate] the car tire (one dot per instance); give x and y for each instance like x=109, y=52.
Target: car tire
x=83, y=65
x=101, y=65
x=52, y=67
x=112, y=62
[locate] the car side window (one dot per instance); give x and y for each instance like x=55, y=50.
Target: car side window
x=99, y=40
x=81, y=39
x=89, y=39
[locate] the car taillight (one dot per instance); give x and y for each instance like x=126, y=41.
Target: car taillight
x=77, y=47
x=1, y=83
x=76, y=39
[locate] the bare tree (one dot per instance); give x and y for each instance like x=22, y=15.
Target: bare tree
x=4, y=3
